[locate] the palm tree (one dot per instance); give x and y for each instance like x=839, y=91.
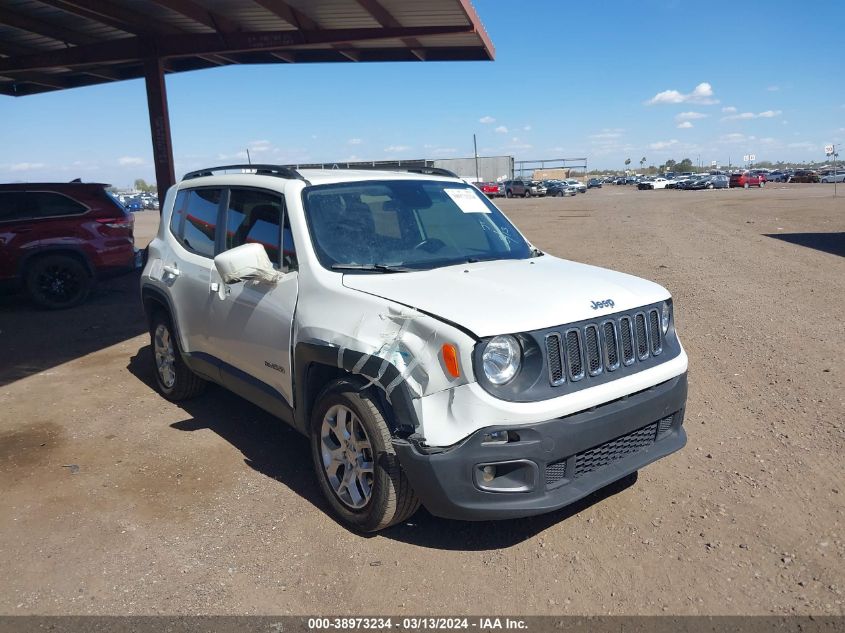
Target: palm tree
x=627, y=162
x=642, y=162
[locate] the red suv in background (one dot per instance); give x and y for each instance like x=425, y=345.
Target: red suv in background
x=57, y=238
x=746, y=179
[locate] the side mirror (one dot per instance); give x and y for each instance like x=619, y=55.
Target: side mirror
x=246, y=262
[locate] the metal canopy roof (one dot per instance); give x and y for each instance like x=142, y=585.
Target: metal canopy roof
x=50, y=45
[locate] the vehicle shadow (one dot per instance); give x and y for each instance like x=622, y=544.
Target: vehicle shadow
x=272, y=448
x=33, y=340
x=833, y=243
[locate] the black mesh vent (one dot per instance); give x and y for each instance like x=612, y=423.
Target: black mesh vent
x=627, y=340
x=595, y=458
x=665, y=425
x=611, y=345
x=573, y=355
x=654, y=331
x=591, y=337
x=555, y=472
x=555, y=361
x=642, y=338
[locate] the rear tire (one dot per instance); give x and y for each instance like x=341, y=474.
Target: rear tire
x=174, y=380
x=508, y=194
x=57, y=282
x=357, y=468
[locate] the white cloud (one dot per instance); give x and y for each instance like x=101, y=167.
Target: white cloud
x=444, y=151
x=773, y=88
x=355, y=141
x=690, y=116
x=126, y=161
x=606, y=134
x=744, y=116
x=685, y=125
x=26, y=166
x=486, y=120
x=804, y=145
x=702, y=93
x=526, y=128
x=735, y=138
x=259, y=147
x=729, y=109
x=659, y=145
x=502, y=129
x=396, y=148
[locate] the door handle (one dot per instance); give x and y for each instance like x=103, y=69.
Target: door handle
x=171, y=270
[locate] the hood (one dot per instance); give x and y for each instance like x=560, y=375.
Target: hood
x=508, y=296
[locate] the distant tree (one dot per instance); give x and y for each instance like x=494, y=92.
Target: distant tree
x=670, y=165
x=141, y=185
x=627, y=162
x=642, y=162
x=684, y=165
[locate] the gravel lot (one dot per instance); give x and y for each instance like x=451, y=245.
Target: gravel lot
x=113, y=500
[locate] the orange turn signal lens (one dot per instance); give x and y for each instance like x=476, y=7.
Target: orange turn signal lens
x=450, y=359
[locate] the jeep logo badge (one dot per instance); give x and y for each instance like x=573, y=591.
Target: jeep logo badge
x=607, y=303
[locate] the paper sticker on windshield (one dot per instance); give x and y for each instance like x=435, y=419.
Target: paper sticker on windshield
x=467, y=200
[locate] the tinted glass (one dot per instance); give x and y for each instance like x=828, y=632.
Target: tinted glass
x=254, y=217
x=199, y=229
x=40, y=204
x=12, y=205
x=409, y=223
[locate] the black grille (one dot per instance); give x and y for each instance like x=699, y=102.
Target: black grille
x=627, y=340
x=591, y=336
x=591, y=460
x=555, y=472
x=573, y=355
x=665, y=425
x=555, y=361
x=654, y=331
x=642, y=337
x=611, y=346
x=598, y=457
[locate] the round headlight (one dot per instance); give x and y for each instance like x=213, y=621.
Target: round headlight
x=501, y=359
x=664, y=317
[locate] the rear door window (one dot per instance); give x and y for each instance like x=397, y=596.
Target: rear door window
x=32, y=205
x=199, y=208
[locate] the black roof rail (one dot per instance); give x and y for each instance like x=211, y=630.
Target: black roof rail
x=280, y=171
x=432, y=171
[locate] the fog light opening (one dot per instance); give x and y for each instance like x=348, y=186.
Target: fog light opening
x=488, y=474
x=500, y=437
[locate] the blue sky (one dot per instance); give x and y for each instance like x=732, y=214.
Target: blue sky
x=605, y=80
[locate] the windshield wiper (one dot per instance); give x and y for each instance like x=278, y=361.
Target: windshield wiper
x=378, y=268
x=536, y=252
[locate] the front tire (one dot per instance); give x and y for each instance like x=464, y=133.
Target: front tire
x=357, y=467
x=174, y=379
x=57, y=282
x=508, y=194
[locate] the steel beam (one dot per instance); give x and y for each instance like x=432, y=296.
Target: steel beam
x=40, y=27
x=159, y=126
x=187, y=45
x=113, y=15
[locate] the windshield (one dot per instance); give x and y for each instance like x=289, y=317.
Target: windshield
x=407, y=224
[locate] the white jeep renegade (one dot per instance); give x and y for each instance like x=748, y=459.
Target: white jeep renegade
x=429, y=352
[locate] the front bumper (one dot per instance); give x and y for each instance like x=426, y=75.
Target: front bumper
x=557, y=462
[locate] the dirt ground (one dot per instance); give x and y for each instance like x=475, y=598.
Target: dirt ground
x=114, y=501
